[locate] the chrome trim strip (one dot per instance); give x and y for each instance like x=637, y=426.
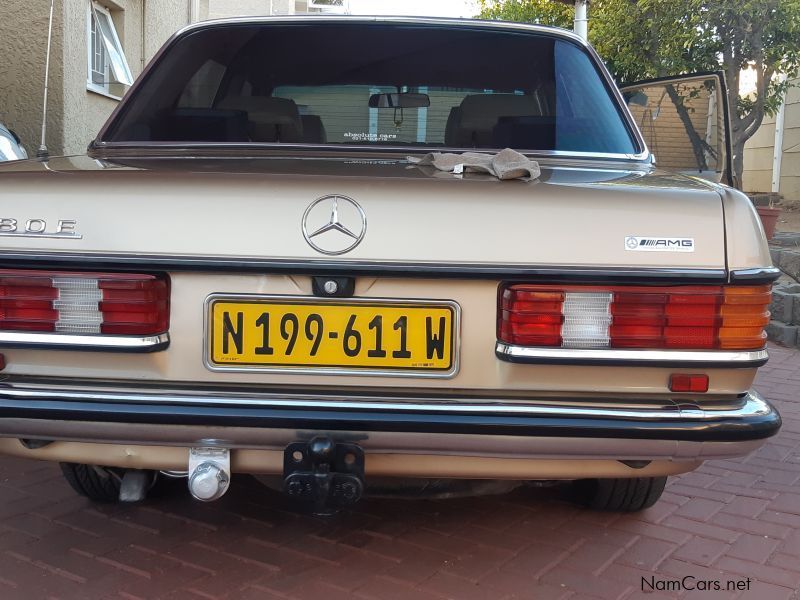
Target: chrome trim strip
x=349, y=266
x=722, y=358
x=758, y=273
x=644, y=155
x=576, y=155
x=62, y=341
x=50, y=236
x=677, y=409
x=456, y=349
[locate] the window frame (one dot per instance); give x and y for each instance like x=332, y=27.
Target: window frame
x=103, y=89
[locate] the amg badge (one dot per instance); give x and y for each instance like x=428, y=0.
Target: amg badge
x=659, y=244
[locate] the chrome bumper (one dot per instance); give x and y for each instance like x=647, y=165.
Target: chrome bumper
x=677, y=428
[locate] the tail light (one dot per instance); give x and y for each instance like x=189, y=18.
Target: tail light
x=83, y=303
x=679, y=317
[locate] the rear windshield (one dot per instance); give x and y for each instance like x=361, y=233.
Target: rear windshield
x=375, y=85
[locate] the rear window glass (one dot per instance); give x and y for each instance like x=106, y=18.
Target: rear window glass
x=375, y=85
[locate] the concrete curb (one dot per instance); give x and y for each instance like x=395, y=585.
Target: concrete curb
x=784, y=327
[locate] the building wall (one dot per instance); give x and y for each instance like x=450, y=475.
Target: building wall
x=664, y=131
x=75, y=114
x=23, y=40
x=85, y=111
x=759, y=150
x=221, y=9
x=790, y=165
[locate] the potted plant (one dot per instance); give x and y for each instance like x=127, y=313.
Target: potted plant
x=769, y=217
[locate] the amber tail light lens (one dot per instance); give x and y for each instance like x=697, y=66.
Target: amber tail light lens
x=634, y=317
x=83, y=303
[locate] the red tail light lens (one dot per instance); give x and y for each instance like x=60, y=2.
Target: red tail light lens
x=679, y=317
x=688, y=383
x=84, y=303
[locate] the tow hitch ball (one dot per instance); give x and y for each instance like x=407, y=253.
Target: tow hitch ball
x=323, y=476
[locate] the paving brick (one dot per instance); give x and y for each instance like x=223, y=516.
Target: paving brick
x=759, y=526
x=526, y=544
x=639, y=595
x=659, y=532
x=692, y=493
x=647, y=553
x=786, y=503
x=768, y=591
x=586, y=583
x=745, y=507
x=380, y=587
x=788, y=562
x=679, y=568
x=753, y=547
x=476, y=562
x=523, y=586
x=593, y=557
x=700, y=509
x=759, y=572
x=701, y=551
x=536, y=559
x=457, y=588
x=697, y=528
x=504, y=540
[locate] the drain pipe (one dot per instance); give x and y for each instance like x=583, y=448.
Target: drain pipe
x=143, y=29
x=581, y=24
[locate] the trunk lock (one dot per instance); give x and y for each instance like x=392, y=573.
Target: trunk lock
x=323, y=476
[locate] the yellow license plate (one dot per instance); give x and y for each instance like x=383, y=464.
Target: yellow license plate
x=309, y=334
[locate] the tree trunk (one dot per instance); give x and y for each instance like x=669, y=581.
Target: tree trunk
x=698, y=144
x=738, y=160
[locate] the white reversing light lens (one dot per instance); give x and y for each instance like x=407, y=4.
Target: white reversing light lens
x=77, y=305
x=586, y=320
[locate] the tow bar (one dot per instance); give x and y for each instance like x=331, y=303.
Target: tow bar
x=323, y=476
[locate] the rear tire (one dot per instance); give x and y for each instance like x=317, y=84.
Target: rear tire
x=99, y=484
x=624, y=494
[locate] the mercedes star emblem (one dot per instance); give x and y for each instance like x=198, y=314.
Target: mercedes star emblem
x=334, y=224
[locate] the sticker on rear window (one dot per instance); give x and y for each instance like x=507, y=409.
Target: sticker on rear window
x=659, y=244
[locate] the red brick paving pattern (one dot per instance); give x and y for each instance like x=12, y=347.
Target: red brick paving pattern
x=728, y=521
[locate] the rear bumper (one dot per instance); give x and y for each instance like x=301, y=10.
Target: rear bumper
x=679, y=428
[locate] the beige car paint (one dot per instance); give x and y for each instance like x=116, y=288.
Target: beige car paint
x=377, y=464
x=568, y=217
x=577, y=214
x=747, y=244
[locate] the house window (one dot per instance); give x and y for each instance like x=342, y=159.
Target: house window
x=108, y=70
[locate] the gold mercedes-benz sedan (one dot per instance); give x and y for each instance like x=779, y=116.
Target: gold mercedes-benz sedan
x=336, y=250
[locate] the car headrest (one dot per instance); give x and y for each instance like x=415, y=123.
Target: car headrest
x=313, y=129
x=270, y=119
x=480, y=114
x=451, y=128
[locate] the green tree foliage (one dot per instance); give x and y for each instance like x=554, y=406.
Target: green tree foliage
x=541, y=12
x=641, y=39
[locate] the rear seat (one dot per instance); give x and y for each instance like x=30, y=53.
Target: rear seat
x=473, y=122
x=269, y=119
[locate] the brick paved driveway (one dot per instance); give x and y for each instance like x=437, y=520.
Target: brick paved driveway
x=729, y=521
